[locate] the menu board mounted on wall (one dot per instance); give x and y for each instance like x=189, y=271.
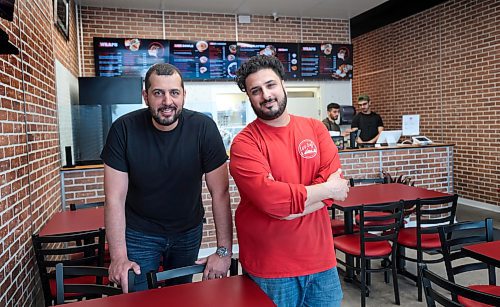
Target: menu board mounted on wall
x=204, y=60
x=219, y=60
x=326, y=61
x=128, y=56
x=287, y=53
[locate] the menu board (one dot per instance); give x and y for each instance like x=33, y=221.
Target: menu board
x=287, y=53
x=222, y=60
x=219, y=60
x=326, y=61
x=128, y=56
x=204, y=60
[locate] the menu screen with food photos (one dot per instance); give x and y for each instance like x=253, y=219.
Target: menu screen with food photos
x=326, y=61
x=287, y=53
x=204, y=60
x=128, y=56
x=222, y=60
x=219, y=60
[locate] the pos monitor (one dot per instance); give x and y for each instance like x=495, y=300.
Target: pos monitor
x=389, y=137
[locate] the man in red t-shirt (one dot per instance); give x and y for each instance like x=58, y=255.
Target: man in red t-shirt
x=284, y=166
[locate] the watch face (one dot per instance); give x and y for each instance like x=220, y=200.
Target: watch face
x=222, y=251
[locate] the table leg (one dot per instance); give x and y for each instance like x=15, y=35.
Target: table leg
x=348, y=228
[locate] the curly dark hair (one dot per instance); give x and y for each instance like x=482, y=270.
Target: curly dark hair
x=255, y=64
x=162, y=69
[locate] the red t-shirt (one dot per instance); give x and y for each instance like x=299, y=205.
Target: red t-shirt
x=297, y=155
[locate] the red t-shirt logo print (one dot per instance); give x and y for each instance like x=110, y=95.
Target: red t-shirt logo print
x=307, y=149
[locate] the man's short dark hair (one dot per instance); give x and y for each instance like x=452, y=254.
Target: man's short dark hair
x=364, y=97
x=333, y=105
x=255, y=64
x=162, y=69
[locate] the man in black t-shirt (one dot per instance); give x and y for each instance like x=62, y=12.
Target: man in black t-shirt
x=367, y=122
x=154, y=161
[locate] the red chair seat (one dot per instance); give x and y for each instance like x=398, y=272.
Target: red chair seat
x=374, y=214
x=338, y=227
x=350, y=244
x=408, y=238
x=495, y=290
x=76, y=280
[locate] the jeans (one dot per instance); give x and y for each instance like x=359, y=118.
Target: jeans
x=176, y=250
x=316, y=290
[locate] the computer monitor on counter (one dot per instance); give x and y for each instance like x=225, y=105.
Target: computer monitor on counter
x=389, y=137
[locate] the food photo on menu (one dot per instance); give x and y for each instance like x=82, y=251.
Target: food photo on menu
x=133, y=44
x=343, y=62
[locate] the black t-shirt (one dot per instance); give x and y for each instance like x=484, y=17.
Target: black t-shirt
x=367, y=124
x=164, y=168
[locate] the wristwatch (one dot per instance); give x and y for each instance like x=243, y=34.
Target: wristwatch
x=222, y=251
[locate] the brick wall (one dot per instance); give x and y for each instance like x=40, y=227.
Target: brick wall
x=442, y=64
x=29, y=152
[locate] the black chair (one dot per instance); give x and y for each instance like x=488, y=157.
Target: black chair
x=455, y=236
x=51, y=250
x=367, y=246
x=95, y=289
x=432, y=295
x=74, y=207
x=154, y=278
x=338, y=225
x=424, y=237
x=356, y=181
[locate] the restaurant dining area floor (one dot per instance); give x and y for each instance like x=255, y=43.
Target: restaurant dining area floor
x=381, y=294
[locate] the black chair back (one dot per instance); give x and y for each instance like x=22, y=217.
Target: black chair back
x=51, y=250
x=387, y=225
x=432, y=295
x=155, y=277
x=455, y=236
x=88, y=290
x=356, y=181
x=74, y=207
x=434, y=212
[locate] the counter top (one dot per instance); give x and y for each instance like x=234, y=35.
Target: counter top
x=399, y=146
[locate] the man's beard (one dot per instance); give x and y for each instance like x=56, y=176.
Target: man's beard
x=270, y=114
x=165, y=121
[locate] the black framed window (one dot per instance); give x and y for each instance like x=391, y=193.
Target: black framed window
x=61, y=12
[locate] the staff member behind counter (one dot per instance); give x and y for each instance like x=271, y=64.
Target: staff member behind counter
x=367, y=122
x=333, y=112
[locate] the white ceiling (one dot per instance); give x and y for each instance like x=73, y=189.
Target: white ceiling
x=338, y=9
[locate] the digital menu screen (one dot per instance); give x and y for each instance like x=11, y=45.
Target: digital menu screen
x=204, y=60
x=287, y=53
x=326, y=61
x=128, y=56
x=219, y=60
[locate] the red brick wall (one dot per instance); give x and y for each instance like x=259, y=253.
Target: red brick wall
x=110, y=22
x=442, y=64
x=29, y=144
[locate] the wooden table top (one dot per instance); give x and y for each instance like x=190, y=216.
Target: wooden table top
x=232, y=291
x=375, y=194
x=487, y=252
x=74, y=221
